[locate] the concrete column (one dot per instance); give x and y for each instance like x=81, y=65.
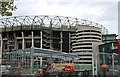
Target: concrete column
x=41, y=39
x=23, y=40
x=7, y=41
x=96, y=62
x=93, y=71
x=32, y=38
x=69, y=42
x=61, y=41
x=40, y=61
x=15, y=42
x=31, y=60
x=1, y=45
x=51, y=39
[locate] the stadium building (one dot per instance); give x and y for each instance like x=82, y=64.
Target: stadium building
x=65, y=34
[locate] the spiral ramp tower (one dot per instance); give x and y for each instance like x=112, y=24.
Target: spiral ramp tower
x=83, y=40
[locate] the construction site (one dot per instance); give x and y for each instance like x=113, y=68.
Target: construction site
x=37, y=45
x=33, y=61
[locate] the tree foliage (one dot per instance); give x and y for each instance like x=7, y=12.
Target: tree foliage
x=6, y=8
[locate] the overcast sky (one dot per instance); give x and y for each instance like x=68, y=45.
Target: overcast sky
x=103, y=12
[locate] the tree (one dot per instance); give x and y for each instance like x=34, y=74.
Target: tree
x=6, y=8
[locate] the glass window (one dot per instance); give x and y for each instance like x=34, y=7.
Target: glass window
x=110, y=38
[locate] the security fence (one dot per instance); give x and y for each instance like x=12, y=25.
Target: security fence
x=32, y=60
x=29, y=61
x=111, y=60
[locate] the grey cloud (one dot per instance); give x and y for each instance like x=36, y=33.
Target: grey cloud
x=76, y=8
x=60, y=2
x=108, y=17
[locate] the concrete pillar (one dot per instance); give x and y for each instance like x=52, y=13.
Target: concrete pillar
x=8, y=41
x=40, y=61
x=41, y=39
x=23, y=40
x=1, y=45
x=15, y=42
x=96, y=62
x=32, y=33
x=69, y=42
x=93, y=71
x=61, y=41
x=31, y=60
x=51, y=39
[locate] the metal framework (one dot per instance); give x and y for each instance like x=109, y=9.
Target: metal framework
x=38, y=52
x=111, y=59
x=31, y=59
x=47, y=21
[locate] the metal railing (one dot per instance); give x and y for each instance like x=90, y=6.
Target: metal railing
x=110, y=59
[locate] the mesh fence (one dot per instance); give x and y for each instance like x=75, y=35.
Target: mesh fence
x=112, y=62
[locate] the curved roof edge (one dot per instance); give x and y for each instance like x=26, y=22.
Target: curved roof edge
x=48, y=21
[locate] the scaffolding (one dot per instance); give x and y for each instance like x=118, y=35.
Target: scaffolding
x=28, y=61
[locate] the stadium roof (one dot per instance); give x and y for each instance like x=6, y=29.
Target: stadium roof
x=38, y=22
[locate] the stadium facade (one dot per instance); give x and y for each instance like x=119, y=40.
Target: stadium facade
x=65, y=34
